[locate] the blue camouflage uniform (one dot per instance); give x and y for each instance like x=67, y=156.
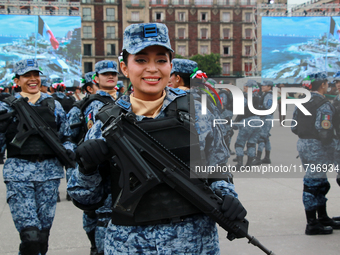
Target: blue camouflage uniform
x=32, y=186
x=247, y=134
x=193, y=235
x=90, y=221
x=313, y=152
x=263, y=141
x=316, y=154
x=88, y=189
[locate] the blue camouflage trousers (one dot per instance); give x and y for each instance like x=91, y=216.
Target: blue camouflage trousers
x=32, y=204
x=263, y=141
x=316, y=185
x=193, y=236
x=248, y=134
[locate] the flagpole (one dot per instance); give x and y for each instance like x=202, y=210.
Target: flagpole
x=36, y=36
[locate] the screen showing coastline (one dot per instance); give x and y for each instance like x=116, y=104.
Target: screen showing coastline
x=294, y=47
x=55, y=41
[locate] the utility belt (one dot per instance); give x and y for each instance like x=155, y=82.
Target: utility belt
x=308, y=137
x=34, y=158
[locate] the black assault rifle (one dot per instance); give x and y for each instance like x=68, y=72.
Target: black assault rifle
x=146, y=163
x=31, y=123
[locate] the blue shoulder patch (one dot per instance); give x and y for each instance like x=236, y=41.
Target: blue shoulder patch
x=178, y=91
x=123, y=104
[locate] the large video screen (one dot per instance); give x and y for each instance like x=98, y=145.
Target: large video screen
x=294, y=47
x=54, y=41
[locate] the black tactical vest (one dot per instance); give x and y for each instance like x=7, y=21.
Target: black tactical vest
x=66, y=102
x=306, y=123
x=82, y=105
x=35, y=145
x=162, y=204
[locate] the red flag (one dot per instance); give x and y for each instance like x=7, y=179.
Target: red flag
x=46, y=32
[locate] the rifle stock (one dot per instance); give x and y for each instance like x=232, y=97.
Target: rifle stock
x=155, y=164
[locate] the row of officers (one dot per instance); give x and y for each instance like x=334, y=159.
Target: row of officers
x=163, y=222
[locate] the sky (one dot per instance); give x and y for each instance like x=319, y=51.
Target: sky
x=306, y=26
x=25, y=24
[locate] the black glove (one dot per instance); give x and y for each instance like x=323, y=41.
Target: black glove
x=90, y=154
x=338, y=179
x=232, y=208
x=71, y=155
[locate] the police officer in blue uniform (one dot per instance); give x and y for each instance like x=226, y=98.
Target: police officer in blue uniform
x=266, y=102
x=316, y=147
x=248, y=134
x=32, y=173
x=147, y=63
x=105, y=77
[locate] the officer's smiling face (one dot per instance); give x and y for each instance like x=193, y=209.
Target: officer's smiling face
x=149, y=72
x=29, y=82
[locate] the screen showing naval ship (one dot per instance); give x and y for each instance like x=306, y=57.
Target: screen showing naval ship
x=294, y=47
x=55, y=41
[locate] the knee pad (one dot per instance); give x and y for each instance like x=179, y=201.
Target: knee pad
x=325, y=188
x=29, y=241
x=237, y=145
x=251, y=145
x=44, y=235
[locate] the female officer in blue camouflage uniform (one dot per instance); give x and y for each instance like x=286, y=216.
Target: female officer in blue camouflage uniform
x=106, y=76
x=181, y=77
x=147, y=62
x=316, y=146
x=32, y=180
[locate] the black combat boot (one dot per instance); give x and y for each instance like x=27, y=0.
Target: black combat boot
x=325, y=220
x=314, y=227
x=91, y=236
x=250, y=161
x=239, y=163
x=257, y=160
x=266, y=159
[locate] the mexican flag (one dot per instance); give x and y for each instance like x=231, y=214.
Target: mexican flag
x=334, y=29
x=45, y=31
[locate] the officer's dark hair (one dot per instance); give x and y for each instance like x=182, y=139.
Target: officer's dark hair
x=17, y=76
x=89, y=84
x=126, y=55
x=316, y=84
x=185, y=77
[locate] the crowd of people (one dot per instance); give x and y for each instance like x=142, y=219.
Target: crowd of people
x=165, y=98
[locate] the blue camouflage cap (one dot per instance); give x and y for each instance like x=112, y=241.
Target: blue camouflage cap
x=320, y=76
x=106, y=66
x=250, y=83
x=26, y=65
x=44, y=82
x=183, y=66
x=120, y=84
x=139, y=36
x=88, y=77
x=267, y=83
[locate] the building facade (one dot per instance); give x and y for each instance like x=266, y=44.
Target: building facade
x=225, y=27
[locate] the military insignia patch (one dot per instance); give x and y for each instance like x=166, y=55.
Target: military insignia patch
x=325, y=124
x=89, y=124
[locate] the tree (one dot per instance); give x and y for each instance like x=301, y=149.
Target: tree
x=210, y=64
